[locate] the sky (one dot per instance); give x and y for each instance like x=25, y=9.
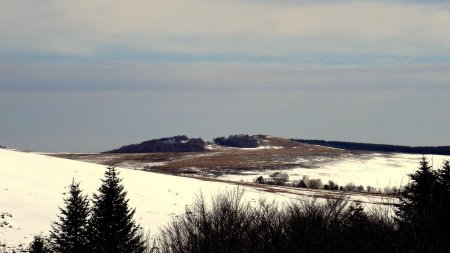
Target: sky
x=93, y=75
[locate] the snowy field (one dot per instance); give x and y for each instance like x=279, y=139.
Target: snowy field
x=377, y=170
x=32, y=187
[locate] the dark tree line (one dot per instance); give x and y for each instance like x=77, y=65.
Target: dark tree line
x=439, y=150
x=238, y=141
x=180, y=143
x=106, y=227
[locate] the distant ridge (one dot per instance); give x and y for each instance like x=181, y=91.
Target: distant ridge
x=179, y=143
x=436, y=150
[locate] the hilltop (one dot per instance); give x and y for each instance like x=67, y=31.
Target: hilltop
x=271, y=155
x=435, y=150
x=179, y=143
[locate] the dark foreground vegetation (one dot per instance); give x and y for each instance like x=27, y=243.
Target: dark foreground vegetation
x=418, y=222
x=106, y=226
x=240, y=141
x=179, y=143
x=439, y=150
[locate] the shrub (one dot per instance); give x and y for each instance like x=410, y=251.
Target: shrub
x=315, y=184
x=350, y=187
x=333, y=185
x=371, y=188
x=279, y=176
x=310, y=183
x=306, y=225
x=260, y=180
x=224, y=226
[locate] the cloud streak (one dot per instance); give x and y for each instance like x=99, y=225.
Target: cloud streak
x=210, y=77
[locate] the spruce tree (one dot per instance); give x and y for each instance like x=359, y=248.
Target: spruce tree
x=112, y=227
x=444, y=207
x=444, y=176
x=417, y=198
x=70, y=233
x=38, y=245
x=419, y=208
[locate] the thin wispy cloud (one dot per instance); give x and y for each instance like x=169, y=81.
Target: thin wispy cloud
x=220, y=77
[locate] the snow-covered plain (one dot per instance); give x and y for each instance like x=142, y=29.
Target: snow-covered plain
x=32, y=187
x=374, y=169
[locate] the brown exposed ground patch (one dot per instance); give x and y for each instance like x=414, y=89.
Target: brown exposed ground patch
x=276, y=153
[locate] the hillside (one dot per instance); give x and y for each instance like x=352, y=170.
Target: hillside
x=274, y=154
x=179, y=143
x=158, y=197
x=32, y=188
x=431, y=150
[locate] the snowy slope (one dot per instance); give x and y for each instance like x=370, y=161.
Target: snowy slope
x=31, y=188
x=374, y=169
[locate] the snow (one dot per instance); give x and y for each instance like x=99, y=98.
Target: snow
x=32, y=187
x=263, y=147
x=377, y=170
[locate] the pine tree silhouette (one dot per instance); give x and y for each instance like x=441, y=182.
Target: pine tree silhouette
x=444, y=207
x=444, y=176
x=70, y=233
x=418, y=212
x=38, y=245
x=417, y=198
x=112, y=227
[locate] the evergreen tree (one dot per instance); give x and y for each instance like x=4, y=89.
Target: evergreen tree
x=417, y=198
x=418, y=212
x=70, y=233
x=444, y=206
x=38, y=245
x=112, y=227
x=444, y=176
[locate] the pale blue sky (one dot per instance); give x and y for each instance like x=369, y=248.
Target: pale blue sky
x=92, y=75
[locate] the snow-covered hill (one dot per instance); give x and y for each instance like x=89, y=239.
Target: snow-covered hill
x=375, y=169
x=32, y=187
